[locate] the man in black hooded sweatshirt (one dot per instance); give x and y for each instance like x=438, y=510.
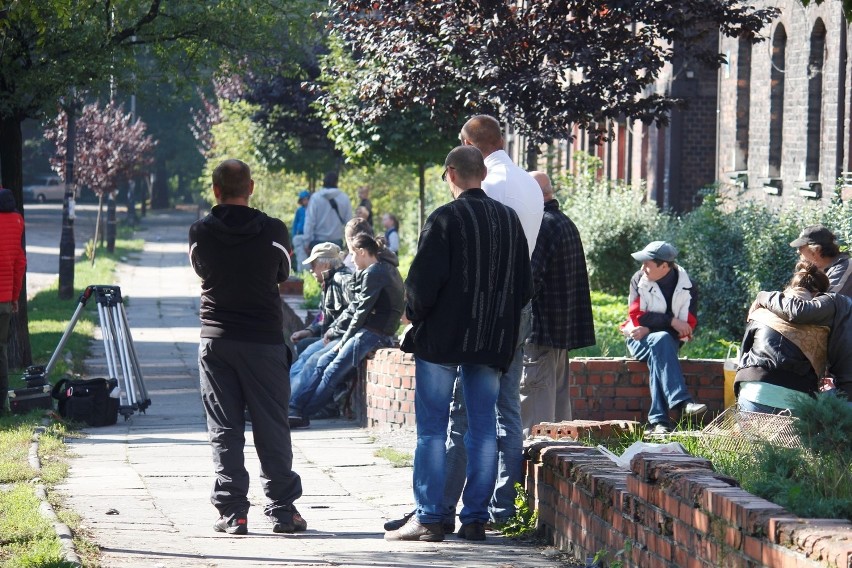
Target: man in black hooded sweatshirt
x=241, y=255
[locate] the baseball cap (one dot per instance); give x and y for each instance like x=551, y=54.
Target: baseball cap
x=813, y=235
x=657, y=250
x=303, y=194
x=323, y=250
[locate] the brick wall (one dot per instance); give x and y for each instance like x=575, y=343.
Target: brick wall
x=673, y=511
x=617, y=389
x=601, y=388
x=389, y=390
x=798, y=23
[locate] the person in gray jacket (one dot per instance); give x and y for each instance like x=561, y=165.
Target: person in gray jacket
x=328, y=211
x=375, y=312
x=831, y=309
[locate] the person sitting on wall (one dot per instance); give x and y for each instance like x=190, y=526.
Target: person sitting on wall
x=375, y=313
x=779, y=360
x=661, y=318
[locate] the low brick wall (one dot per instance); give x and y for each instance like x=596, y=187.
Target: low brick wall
x=617, y=388
x=673, y=511
x=389, y=390
x=601, y=388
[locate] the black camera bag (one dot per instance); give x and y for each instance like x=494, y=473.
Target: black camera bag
x=87, y=401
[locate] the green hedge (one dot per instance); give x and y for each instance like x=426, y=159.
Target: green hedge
x=731, y=248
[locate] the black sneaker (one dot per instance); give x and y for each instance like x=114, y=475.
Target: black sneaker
x=235, y=524
x=413, y=530
x=472, y=531
x=299, y=422
x=294, y=524
x=449, y=525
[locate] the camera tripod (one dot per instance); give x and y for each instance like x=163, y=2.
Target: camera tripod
x=122, y=363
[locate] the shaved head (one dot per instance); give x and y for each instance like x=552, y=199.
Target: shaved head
x=484, y=133
x=544, y=183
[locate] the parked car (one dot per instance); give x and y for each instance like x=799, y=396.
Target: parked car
x=45, y=188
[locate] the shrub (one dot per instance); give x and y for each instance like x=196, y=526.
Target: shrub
x=732, y=250
x=312, y=292
x=613, y=222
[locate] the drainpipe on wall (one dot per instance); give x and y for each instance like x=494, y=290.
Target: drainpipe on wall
x=841, y=105
x=718, y=120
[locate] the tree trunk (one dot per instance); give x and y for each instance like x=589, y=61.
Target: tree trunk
x=111, y=221
x=421, y=213
x=160, y=190
x=67, y=243
x=11, y=174
x=532, y=155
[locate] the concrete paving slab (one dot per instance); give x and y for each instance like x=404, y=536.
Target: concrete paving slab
x=156, y=470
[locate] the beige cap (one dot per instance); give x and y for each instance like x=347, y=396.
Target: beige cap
x=323, y=250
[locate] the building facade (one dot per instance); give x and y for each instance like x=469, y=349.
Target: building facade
x=771, y=124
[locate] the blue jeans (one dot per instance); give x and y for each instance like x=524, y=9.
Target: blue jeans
x=305, y=364
x=332, y=368
x=750, y=406
x=666, y=382
x=510, y=436
x=433, y=393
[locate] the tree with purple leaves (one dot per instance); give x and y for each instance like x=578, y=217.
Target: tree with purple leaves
x=111, y=148
x=545, y=66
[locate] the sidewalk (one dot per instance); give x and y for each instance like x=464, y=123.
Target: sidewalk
x=142, y=486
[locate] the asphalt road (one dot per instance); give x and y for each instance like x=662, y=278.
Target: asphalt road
x=43, y=230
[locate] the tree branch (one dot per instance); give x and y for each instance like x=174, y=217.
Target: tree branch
x=131, y=31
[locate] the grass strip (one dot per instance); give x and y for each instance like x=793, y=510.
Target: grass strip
x=27, y=539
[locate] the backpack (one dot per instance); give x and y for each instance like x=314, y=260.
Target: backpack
x=87, y=401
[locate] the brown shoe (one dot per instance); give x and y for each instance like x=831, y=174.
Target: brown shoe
x=413, y=530
x=472, y=531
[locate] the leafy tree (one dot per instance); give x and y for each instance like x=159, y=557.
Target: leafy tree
x=847, y=7
x=292, y=135
x=546, y=66
x=406, y=136
x=111, y=148
x=235, y=134
x=48, y=48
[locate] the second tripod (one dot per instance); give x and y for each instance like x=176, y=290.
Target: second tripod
x=121, y=360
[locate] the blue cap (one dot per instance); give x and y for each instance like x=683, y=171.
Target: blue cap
x=303, y=194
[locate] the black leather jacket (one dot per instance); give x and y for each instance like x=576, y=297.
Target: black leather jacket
x=336, y=296
x=828, y=309
x=377, y=302
x=769, y=357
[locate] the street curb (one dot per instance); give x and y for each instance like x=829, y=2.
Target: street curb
x=63, y=532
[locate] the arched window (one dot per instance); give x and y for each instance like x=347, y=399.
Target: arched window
x=776, y=101
x=816, y=60
x=743, y=103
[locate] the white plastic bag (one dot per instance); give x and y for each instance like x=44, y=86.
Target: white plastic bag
x=647, y=447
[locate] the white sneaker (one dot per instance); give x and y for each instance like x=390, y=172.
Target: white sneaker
x=693, y=408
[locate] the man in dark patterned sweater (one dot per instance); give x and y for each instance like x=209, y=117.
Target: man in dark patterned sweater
x=562, y=314
x=465, y=290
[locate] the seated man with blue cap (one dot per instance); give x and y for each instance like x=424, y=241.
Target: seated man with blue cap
x=661, y=317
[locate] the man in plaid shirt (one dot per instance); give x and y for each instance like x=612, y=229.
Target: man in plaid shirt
x=562, y=314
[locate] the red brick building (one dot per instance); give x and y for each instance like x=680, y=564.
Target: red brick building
x=772, y=123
